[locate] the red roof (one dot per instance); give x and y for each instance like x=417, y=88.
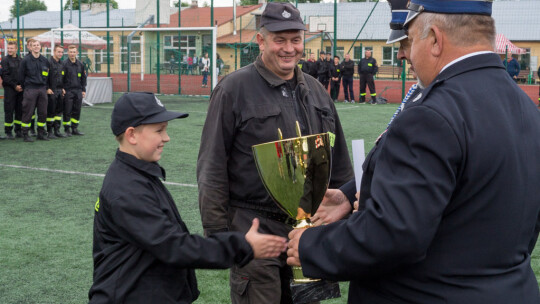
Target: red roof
x=200, y=16
x=247, y=36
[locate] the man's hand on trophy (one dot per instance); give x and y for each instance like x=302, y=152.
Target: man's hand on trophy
x=356, y=204
x=265, y=245
x=333, y=208
x=293, y=258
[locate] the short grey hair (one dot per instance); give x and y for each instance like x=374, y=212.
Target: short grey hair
x=462, y=29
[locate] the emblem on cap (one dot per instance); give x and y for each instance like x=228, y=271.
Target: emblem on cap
x=159, y=102
x=286, y=14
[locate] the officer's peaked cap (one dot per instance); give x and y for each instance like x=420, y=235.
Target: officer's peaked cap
x=475, y=7
x=399, y=15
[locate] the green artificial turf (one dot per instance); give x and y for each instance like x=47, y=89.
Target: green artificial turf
x=48, y=191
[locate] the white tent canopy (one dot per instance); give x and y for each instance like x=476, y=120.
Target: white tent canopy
x=503, y=45
x=89, y=40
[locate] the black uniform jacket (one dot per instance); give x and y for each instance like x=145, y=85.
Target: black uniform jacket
x=322, y=68
x=34, y=72
x=335, y=71
x=246, y=108
x=10, y=71
x=74, y=75
x=55, y=74
x=368, y=66
x=143, y=252
x=451, y=198
x=347, y=68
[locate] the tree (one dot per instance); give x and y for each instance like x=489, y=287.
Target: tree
x=76, y=3
x=26, y=7
x=182, y=4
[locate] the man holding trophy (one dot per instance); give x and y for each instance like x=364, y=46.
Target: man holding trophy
x=449, y=199
x=247, y=108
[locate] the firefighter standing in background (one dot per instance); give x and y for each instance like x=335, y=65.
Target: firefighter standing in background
x=55, y=94
x=33, y=76
x=75, y=87
x=367, y=68
x=12, y=91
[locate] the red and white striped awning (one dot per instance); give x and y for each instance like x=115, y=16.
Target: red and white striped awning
x=502, y=42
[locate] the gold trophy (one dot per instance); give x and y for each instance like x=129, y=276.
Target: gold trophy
x=296, y=172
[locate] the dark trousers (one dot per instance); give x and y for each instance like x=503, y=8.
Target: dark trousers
x=323, y=79
x=367, y=79
x=34, y=99
x=205, y=78
x=55, y=107
x=348, y=87
x=12, y=109
x=260, y=281
x=72, y=108
x=334, y=89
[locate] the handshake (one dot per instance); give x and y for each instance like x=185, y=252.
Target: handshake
x=334, y=206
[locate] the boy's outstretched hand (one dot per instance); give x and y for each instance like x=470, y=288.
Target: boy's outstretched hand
x=265, y=245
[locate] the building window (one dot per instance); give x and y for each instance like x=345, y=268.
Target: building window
x=101, y=55
x=340, y=51
x=525, y=61
x=390, y=55
x=135, y=55
x=172, y=47
x=359, y=52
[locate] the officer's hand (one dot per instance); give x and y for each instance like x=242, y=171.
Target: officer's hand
x=63, y=92
x=293, y=256
x=18, y=88
x=50, y=92
x=265, y=245
x=334, y=207
x=83, y=94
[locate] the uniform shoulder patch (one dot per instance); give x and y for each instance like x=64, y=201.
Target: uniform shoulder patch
x=96, y=206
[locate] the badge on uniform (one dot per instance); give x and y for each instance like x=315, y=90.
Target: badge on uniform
x=332, y=138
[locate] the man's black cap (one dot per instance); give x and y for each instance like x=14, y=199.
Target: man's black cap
x=280, y=16
x=322, y=53
x=134, y=109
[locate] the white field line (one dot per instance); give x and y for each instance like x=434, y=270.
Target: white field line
x=82, y=173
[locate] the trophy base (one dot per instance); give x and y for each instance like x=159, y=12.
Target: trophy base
x=299, y=278
x=314, y=291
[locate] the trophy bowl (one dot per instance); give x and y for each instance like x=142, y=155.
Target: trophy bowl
x=296, y=172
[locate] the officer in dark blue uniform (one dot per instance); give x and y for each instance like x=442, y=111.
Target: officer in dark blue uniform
x=449, y=199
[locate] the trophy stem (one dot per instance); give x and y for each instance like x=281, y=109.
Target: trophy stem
x=298, y=276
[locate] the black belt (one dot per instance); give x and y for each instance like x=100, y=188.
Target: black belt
x=278, y=217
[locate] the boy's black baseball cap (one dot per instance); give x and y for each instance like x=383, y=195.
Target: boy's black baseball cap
x=134, y=109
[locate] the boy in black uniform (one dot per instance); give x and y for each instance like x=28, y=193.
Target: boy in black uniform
x=55, y=93
x=367, y=68
x=143, y=252
x=33, y=76
x=75, y=87
x=12, y=91
x=335, y=78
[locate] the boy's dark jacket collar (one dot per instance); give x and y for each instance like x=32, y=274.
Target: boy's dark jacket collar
x=153, y=169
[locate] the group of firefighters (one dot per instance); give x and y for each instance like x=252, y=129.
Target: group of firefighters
x=54, y=87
